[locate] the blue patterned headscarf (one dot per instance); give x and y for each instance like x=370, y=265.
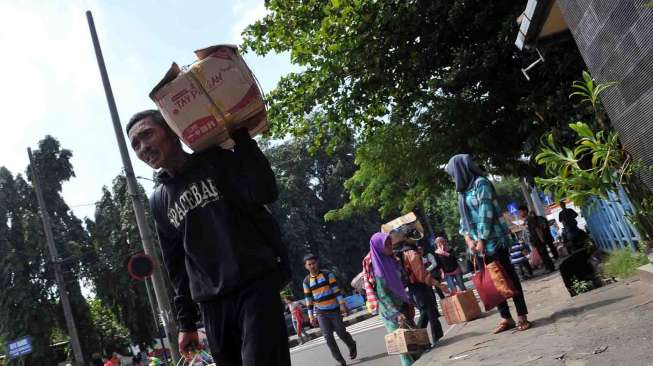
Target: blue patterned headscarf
x=464, y=172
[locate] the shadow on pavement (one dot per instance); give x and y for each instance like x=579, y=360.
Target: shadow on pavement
x=458, y=337
x=369, y=358
x=574, y=311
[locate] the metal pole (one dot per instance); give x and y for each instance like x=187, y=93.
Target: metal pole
x=526, y=191
x=54, y=256
x=538, y=207
x=139, y=210
x=156, y=320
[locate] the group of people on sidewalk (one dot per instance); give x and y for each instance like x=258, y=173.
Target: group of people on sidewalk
x=397, y=275
x=223, y=252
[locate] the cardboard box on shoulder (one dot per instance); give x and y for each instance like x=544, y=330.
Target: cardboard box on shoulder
x=407, y=341
x=217, y=90
x=460, y=307
x=407, y=222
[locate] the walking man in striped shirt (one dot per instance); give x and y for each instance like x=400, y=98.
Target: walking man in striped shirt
x=326, y=307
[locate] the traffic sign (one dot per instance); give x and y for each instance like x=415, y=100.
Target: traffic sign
x=512, y=208
x=140, y=266
x=546, y=198
x=19, y=347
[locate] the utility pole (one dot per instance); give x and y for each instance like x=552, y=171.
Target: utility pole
x=139, y=209
x=526, y=191
x=156, y=318
x=54, y=257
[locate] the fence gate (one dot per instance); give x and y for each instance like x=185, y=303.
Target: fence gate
x=608, y=224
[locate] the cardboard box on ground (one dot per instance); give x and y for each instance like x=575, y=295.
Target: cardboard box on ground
x=460, y=307
x=407, y=341
x=217, y=90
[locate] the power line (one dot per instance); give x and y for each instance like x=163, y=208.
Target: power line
x=84, y=204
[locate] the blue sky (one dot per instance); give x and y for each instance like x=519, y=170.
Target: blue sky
x=50, y=82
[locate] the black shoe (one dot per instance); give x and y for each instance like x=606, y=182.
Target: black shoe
x=342, y=363
x=353, y=352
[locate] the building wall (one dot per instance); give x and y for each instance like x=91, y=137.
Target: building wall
x=615, y=38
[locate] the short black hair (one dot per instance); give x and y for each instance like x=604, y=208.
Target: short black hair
x=309, y=257
x=522, y=208
x=154, y=114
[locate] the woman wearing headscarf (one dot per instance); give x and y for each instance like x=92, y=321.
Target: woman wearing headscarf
x=392, y=298
x=449, y=265
x=485, y=230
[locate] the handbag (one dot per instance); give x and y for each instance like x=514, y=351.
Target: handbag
x=535, y=259
x=493, y=284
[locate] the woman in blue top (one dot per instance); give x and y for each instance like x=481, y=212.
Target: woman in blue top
x=485, y=230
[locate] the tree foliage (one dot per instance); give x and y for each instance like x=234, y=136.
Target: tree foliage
x=415, y=82
x=596, y=164
x=27, y=284
x=114, y=239
x=309, y=186
x=113, y=335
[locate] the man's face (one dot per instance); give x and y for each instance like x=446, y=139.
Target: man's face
x=311, y=265
x=152, y=143
x=397, y=238
x=523, y=214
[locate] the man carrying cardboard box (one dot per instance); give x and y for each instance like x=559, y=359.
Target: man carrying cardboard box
x=220, y=245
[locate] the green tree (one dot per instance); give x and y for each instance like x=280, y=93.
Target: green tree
x=596, y=164
x=445, y=210
x=25, y=283
x=54, y=168
x=509, y=190
x=113, y=335
x=415, y=82
x=309, y=186
x=114, y=239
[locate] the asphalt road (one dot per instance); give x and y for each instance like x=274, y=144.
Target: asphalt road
x=369, y=336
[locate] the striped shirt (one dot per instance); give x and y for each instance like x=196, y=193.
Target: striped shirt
x=322, y=293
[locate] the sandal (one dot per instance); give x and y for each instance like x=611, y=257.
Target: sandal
x=523, y=325
x=504, y=326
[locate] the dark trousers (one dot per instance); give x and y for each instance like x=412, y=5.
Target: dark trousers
x=503, y=257
x=247, y=327
x=436, y=276
x=546, y=258
x=332, y=322
x=439, y=292
x=524, y=267
x=553, y=249
x=424, y=300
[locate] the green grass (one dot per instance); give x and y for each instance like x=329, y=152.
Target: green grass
x=623, y=263
x=582, y=286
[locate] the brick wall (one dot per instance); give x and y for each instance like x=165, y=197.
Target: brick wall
x=615, y=38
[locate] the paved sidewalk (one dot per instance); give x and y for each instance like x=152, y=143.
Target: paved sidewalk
x=612, y=325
